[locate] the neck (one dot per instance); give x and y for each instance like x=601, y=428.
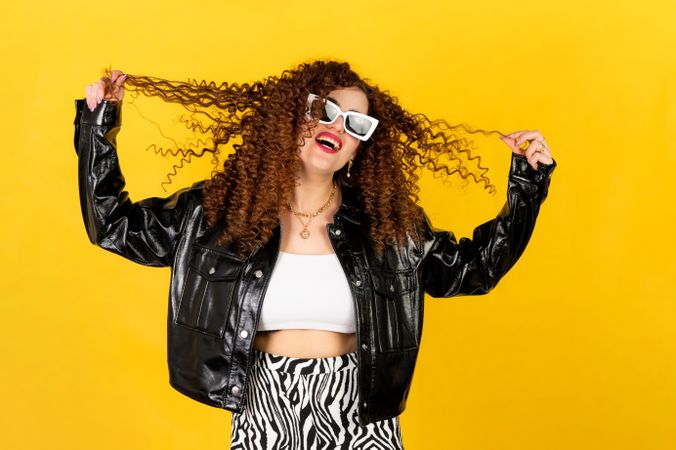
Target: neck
x=312, y=192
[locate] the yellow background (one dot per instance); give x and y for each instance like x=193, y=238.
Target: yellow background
x=575, y=348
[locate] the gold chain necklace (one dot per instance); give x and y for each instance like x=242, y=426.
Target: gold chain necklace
x=305, y=234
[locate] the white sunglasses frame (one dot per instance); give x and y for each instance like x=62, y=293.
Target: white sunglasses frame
x=344, y=115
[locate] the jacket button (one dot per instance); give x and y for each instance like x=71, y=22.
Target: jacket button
x=364, y=404
x=244, y=333
x=358, y=282
x=235, y=390
x=212, y=270
x=338, y=232
x=258, y=273
x=364, y=346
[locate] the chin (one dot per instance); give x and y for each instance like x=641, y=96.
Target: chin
x=318, y=165
x=315, y=170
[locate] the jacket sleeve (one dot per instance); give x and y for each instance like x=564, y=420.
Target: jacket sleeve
x=474, y=266
x=146, y=231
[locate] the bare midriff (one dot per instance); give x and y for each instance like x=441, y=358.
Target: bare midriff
x=305, y=343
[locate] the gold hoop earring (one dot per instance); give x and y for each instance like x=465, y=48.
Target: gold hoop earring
x=349, y=166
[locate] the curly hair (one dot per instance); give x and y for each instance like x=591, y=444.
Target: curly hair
x=267, y=118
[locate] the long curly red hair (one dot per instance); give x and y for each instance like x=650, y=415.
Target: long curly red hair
x=267, y=117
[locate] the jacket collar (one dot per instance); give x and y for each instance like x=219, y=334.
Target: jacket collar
x=351, y=206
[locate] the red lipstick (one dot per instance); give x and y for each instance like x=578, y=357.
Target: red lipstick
x=329, y=142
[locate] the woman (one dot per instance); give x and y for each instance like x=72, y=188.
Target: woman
x=299, y=269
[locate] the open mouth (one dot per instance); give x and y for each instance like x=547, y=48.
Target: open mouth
x=329, y=142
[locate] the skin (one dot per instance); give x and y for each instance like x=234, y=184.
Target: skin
x=314, y=183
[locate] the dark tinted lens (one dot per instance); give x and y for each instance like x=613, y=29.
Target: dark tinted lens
x=330, y=112
x=358, y=125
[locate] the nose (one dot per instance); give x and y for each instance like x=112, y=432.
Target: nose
x=337, y=124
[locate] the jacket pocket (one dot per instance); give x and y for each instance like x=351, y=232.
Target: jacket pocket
x=393, y=306
x=207, y=296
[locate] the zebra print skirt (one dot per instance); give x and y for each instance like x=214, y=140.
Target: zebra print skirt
x=307, y=404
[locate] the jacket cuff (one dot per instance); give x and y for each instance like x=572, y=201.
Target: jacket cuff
x=522, y=170
x=106, y=113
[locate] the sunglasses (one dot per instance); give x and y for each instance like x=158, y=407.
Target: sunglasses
x=356, y=124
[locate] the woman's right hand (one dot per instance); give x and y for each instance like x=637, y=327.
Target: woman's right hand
x=108, y=88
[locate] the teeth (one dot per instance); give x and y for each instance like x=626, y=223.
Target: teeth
x=332, y=142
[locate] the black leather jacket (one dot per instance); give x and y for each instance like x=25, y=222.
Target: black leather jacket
x=215, y=297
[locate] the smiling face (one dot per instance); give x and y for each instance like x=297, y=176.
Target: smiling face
x=317, y=154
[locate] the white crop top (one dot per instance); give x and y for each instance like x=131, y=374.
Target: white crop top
x=309, y=292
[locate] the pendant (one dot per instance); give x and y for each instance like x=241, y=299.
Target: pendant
x=305, y=233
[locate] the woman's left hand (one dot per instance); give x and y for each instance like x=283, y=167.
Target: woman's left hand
x=530, y=143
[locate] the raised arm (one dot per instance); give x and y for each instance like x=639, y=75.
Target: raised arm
x=146, y=231
x=474, y=266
